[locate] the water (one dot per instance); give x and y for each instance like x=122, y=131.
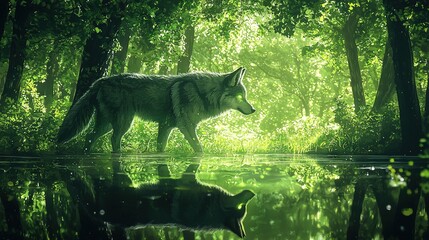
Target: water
x=213, y=197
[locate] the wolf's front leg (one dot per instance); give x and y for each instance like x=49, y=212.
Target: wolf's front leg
x=190, y=133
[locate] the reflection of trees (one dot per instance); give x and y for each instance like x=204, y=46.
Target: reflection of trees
x=385, y=198
x=397, y=207
x=12, y=214
x=34, y=203
x=332, y=200
x=300, y=199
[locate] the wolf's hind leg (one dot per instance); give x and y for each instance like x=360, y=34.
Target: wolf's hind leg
x=164, y=131
x=120, y=126
x=101, y=127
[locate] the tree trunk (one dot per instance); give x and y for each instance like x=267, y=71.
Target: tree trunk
x=17, y=56
x=305, y=105
x=426, y=112
x=307, y=108
x=4, y=12
x=402, y=55
x=120, y=57
x=52, y=68
x=356, y=210
x=386, y=86
x=134, y=64
x=51, y=213
x=98, y=49
x=12, y=214
x=185, y=60
x=322, y=109
x=163, y=69
x=145, y=61
x=426, y=201
x=349, y=34
x=408, y=201
x=385, y=196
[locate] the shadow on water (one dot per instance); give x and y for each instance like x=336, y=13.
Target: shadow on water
x=168, y=197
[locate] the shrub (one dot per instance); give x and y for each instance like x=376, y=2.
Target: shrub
x=366, y=132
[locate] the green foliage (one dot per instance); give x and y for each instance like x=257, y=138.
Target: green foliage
x=291, y=80
x=24, y=130
x=366, y=132
x=299, y=136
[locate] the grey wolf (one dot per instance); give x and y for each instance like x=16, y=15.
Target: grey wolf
x=184, y=202
x=180, y=101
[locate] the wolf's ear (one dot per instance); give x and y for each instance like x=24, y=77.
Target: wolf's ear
x=234, y=78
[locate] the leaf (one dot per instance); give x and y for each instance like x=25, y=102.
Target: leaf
x=424, y=173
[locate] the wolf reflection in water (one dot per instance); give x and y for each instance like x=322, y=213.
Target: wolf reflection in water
x=180, y=101
x=185, y=202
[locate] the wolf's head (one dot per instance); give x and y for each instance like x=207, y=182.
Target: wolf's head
x=235, y=95
x=234, y=209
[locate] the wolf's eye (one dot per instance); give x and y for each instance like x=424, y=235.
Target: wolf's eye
x=239, y=97
x=239, y=206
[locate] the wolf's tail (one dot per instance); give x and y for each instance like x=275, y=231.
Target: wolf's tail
x=78, y=116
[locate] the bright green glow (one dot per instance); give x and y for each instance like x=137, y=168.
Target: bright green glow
x=240, y=206
x=239, y=97
x=424, y=173
x=407, y=211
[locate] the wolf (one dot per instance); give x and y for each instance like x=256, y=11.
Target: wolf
x=181, y=101
x=185, y=202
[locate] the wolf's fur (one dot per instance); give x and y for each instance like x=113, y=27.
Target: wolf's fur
x=172, y=101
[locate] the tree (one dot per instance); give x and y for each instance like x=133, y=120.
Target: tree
x=292, y=70
x=12, y=86
x=152, y=30
x=349, y=34
x=426, y=112
x=99, y=46
x=4, y=13
x=12, y=213
x=185, y=60
x=402, y=55
x=386, y=86
x=341, y=23
x=52, y=68
x=120, y=56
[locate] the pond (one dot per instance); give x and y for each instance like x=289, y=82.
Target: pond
x=213, y=197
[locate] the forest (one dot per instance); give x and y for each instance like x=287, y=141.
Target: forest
x=344, y=76
x=335, y=149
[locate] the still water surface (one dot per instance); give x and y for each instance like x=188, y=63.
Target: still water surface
x=213, y=197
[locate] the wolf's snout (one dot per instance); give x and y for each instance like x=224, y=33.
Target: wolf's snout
x=252, y=110
x=247, y=111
